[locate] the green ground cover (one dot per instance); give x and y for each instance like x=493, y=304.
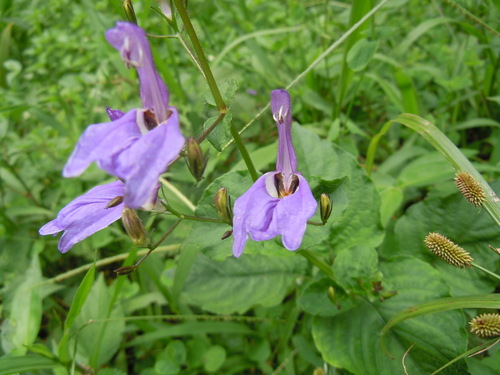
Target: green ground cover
x=378, y=109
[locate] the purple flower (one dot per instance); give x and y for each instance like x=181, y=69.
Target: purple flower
x=279, y=202
x=136, y=146
x=86, y=215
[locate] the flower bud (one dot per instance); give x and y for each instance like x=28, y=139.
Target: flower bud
x=134, y=227
x=486, y=325
x=331, y=294
x=223, y=205
x=470, y=188
x=115, y=202
x=129, y=11
x=196, y=161
x=125, y=270
x=166, y=9
x=325, y=207
x=448, y=250
x=319, y=371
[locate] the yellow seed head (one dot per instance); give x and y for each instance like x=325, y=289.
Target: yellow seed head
x=449, y=251
x=470, y=188
x=486, y=325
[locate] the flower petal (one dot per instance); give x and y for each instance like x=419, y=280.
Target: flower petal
x=142, y=163
x=100, y=142
x=134, y=48
x=86, y=215
x=292, y=213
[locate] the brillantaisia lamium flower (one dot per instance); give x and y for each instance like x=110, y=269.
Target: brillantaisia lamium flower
x=279, y=202
x=86, y=215
x=136, y=146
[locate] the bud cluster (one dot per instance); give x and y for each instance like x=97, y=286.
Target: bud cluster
x=470, y=188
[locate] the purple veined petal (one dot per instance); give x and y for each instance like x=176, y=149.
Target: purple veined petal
x=252, y=215
x=114, y=114
x=282, y=114
x=86, y=215
x=291, y=215
x=100, y=142
x=142, y=163
x=241, y=206
x=132, y=43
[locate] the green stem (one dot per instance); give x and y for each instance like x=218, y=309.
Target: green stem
x=244, y=153
x=205, y=134
x=201, y=56
x=492, y=274
x=321, y=264
x=182, y=216
x=212, y=84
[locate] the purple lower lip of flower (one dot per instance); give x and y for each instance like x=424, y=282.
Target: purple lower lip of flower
x=86, y=215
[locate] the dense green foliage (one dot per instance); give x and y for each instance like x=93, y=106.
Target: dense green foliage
x=191, y=307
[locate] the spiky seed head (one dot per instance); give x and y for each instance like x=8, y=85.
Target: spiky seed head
x=486, y=325
x=448, y=250
x=470, y=188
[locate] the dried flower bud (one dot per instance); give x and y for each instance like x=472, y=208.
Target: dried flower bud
x=470, y=188
x=125, y=270
x=495, y=249
x=134, y=227
x=486, y=325
x=223, y=205
x=227, y=234
x=115, y=202
x=129, y=11
x=325, y=207
x=196, y=161
x=448, y=250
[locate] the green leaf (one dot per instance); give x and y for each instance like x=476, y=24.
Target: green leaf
x=21, y=327
x=221, y=135
x=90, y=329
x=361, y=53
x=235, y=285
x=437, y=339
x=80, y=298
x=314, y=299
x=355, y=268
x=462, y=223
x=214, y=358
x=227, y=89
x=14, y=365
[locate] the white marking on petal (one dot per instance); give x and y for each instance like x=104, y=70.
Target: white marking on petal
x=271, y=189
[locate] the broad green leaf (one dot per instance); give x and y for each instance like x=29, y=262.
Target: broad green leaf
x=15, y=365
x=350, y=340
x=20, y=328
x=235, y=285
x=356, y=268
x=361, y=53
x=462, y=223
x=90, y=330
x=427, y=169
x=359, y=223
x=314, y=299
x=221, y=135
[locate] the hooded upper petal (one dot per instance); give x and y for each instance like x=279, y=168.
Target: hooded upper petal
x=281, y=107
x=147, y=158
x=101, y=142
x=86, y=215
x=132, y=43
